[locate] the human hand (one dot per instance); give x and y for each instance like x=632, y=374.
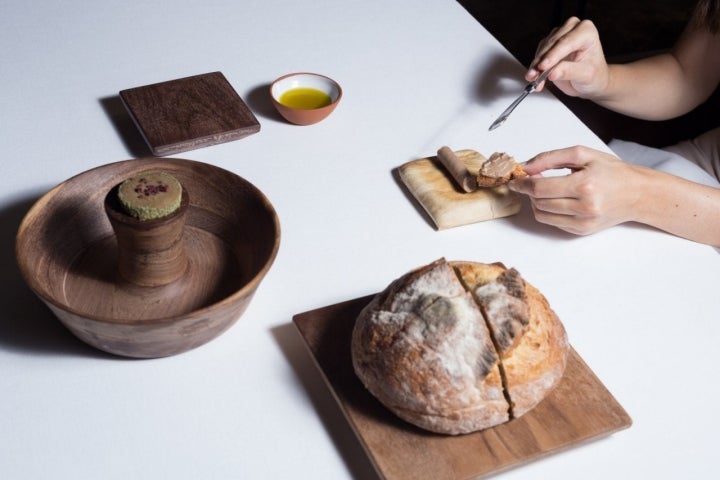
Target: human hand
x=597, y=194
x=575, y=47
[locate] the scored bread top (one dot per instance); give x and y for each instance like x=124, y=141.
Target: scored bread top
x=425, y=348
x=531, y=339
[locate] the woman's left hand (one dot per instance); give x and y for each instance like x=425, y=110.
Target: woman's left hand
x=597, y=194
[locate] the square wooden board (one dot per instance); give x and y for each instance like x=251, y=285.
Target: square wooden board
x=438, y=194
x=578, y=410
x=189, y=113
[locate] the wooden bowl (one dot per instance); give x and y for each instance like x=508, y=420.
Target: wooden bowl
x=68, y=254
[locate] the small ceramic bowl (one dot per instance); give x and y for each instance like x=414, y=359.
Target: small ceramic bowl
x=304, y=115
x=69, y=254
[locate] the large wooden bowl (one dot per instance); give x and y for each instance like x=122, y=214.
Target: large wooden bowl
x=68, y=254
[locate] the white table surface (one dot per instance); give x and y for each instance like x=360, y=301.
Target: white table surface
x=640, y=306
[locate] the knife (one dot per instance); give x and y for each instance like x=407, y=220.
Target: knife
x=529, y=88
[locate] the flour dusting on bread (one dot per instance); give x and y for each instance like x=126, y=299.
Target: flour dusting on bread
x=427, y=347
x=505, y=304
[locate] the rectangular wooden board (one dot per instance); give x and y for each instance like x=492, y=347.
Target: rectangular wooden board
x=189, y=113
x=442, y=199
x=580, y=409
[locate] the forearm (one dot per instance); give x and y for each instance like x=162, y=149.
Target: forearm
x=678, y=206
x=667, y=85
x=651, y=89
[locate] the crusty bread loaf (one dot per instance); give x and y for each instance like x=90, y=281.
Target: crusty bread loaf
x=423, y=349
x=456, y=347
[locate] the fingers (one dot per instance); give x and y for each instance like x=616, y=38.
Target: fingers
x=557, y=202
x=574, y=224
x=569, y=41
x=574, y=186
x=573, y=158
x=542, y=57
x=542, y=187
x=591, y=198
x=545, y=57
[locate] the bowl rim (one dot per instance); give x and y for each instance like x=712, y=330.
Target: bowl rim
x=334, y=96
x=251, y=285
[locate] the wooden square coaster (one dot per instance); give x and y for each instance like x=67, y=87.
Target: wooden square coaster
x=189, y=113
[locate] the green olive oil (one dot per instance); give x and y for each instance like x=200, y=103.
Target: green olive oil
x=305, y=98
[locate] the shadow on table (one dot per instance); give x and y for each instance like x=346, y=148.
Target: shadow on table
x=524, y=220
x=125, y=127
x=259, y=101
x=395, y=172
x=321, y=398
x=26, y=324
x=498, y=77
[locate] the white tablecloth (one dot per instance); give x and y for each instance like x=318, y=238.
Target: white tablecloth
x=639, y=305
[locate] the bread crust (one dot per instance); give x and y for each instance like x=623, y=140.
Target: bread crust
x=535, y=364
x=424, y=349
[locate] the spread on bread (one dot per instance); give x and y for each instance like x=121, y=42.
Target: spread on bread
x=457, y=347
x=499, y=169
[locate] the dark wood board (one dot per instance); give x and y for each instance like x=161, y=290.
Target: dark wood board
x=580, y=409
x=189, y=113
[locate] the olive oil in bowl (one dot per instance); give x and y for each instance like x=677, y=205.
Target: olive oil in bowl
x=305, y=98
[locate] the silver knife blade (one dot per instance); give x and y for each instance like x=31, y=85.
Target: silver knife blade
x=529, y=88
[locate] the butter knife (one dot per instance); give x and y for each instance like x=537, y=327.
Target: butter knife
x=529, y=88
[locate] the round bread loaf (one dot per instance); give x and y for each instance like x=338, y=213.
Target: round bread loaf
x=457, y=347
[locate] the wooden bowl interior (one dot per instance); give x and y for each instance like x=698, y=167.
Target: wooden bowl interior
x=66, y=249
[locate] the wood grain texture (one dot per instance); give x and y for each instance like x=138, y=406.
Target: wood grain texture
x=449, y=206
x=189, y=113
x=150, y=252
x=68, y=254
x=578, y=410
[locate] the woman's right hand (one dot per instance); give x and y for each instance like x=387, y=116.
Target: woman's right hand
x=575, y=47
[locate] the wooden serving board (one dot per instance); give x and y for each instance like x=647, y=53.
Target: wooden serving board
x=189, y=113
x=448, y=205
x=578, y=410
